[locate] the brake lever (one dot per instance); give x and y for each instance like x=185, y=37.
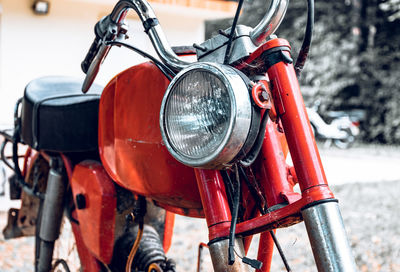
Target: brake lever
x=95, y=67
x=114, y=32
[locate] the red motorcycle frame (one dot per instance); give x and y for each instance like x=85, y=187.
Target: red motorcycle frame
x=133, y=155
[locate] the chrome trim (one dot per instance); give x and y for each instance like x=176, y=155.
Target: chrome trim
x=270, y=21
x=219, y=256
x=240, y=119
x=331, y=249
x=265, y=28
x=156, y=34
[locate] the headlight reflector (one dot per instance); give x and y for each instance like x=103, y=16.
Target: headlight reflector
x=198, y=114
x=206, y=115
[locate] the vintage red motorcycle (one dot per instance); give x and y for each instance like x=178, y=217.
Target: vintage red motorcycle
x=206, y=139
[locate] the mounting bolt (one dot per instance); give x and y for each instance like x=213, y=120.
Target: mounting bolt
x=200, y=47
x=263, y=95
x=260, y=96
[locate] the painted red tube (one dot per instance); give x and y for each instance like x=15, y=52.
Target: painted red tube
x=273, y=179
x=302, y=145
x=265, y=250
x=168, y=230
x=272, y=167
x=213, y=197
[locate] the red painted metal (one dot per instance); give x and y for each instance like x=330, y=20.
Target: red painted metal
x=30, y=157
x=265, y=251
x=97, y=218
x=27, y=161
x=214, y=199
x=266, y=46
x=272, y=172
x=168, y=230
x=296, y=124
x=199, y=255
x=251, y=211
x=272, y=175
x=283, y=217
x=260, y=95
x=88, y=262
x=247, y=243
x=68, y=166
x=130, y=143
x=271, y=166
x=197, y=213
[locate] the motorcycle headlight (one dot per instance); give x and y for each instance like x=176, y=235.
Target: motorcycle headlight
x=206, y=115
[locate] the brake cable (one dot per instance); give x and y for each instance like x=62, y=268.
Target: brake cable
x=168, y=73
x=234, y=214
x=252, y=155
x=305, y=47
x=260, y=201
x=231, y=246
x=233, y=28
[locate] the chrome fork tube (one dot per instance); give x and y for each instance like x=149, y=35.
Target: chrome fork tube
x=328, y=238
x=219, y=256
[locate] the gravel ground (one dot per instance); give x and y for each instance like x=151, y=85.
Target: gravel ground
x=370, y=211
x=371, y=216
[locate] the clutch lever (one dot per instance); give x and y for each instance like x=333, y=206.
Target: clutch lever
x=106, y=31
x=95, y=66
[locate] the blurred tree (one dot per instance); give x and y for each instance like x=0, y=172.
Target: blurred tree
x=380, y=69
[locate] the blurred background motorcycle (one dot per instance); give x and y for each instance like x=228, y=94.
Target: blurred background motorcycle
x=340, y=128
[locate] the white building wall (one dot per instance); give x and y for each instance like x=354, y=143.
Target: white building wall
x=32, y=46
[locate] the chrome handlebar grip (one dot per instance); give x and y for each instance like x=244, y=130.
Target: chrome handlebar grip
x=270, y=21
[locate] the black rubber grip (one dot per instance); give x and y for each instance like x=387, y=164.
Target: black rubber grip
x=100, y=30
x=90, y=55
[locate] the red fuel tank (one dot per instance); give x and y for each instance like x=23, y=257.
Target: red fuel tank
x=131, y=147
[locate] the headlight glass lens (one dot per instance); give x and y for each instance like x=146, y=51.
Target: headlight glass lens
x=197, y=113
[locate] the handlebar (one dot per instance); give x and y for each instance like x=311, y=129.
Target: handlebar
x=270, y=22
x=99, y=47
x=152, y=28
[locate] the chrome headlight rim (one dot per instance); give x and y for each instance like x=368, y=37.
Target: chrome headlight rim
x=239, y=121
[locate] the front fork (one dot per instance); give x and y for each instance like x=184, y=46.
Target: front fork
x=316, y=205
x=328, y=237
x=323, y=220
x=218, y=216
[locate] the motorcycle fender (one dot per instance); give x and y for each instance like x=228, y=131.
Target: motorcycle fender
x=95, y=201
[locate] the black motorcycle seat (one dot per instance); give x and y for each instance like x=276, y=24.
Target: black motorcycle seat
x=50, y=88
x=57, y=116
